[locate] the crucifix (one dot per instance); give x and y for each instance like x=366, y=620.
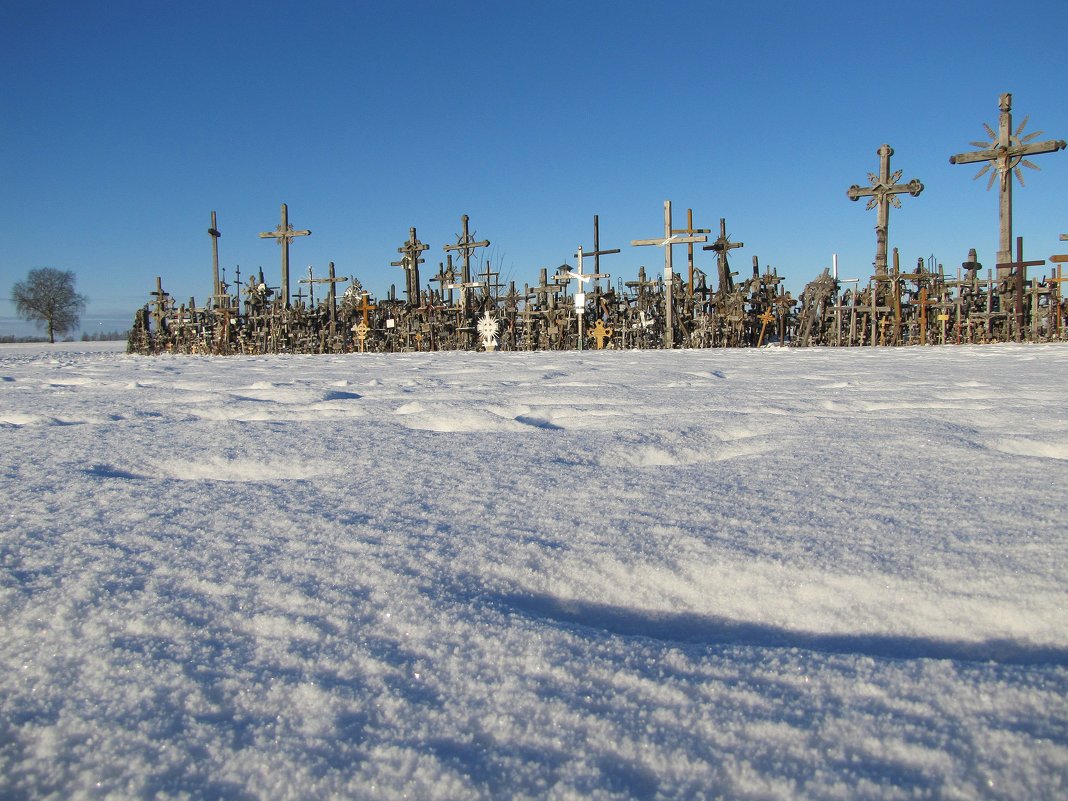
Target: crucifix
x=883, y=193
x=284, y=233
x=722, y=247
x=666, y=242
x=1006, y=152
x=465, y=245
x=410, y=262
x=580, y=296
x=213, y=232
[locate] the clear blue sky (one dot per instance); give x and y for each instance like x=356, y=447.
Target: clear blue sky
x=126, y=123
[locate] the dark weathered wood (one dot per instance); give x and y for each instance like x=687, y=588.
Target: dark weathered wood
x=284, y=234
x=1004, y=154
x=883, y=192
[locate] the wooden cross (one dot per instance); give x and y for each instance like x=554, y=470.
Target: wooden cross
x=666, y=242
x=284, y=233
x=1018, y=269
x=490, y=287
x=600, y=332
x=213, y=232
x=722, y=246
x=365, y=306
x=411, y=261
x=1006, y=152
x=597, y=252
x=580, y=296
x=330, y=281
x=161, y=302
x=883, y=193
x=465, y=246
x=689, y=230
x=765, y=318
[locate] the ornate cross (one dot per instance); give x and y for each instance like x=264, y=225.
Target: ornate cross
x=722, y=246
x=284, y=233
x=410, y=262
x=883, y=193
x=1006, y=152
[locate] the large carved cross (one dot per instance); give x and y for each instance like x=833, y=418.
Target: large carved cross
x=883, y=193
x=284, y=233
x=1006, y=152
x=666, y=242
x=465, y=246
x=722, y=247
x=410, y=262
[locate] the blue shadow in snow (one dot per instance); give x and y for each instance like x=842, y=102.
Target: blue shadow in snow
x=708, y=630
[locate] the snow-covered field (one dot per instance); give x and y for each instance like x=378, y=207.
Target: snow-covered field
x=752, y=574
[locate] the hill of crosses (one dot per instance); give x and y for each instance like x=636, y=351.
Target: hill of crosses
x=578, y=307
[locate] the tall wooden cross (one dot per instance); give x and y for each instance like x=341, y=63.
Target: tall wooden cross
x=410, y=262
x=722, y=247
x=331, y=280
x=213, y=232
x=1006, y=152
x=597, y=252
x=284, y=233
x=690, y=231
x=465, y=246
x=580, y=296
x=666, y=242
x=1018, y=269
x=883, y=193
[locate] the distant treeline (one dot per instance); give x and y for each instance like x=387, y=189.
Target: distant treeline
x=98, y=336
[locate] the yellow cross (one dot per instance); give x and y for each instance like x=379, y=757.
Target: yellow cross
x=600, y=333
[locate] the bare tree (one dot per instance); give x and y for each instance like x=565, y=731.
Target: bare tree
x=47, y=298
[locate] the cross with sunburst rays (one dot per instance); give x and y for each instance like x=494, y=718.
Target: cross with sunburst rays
x=1004, y=154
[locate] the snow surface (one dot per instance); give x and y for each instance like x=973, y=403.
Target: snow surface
x=833, y=574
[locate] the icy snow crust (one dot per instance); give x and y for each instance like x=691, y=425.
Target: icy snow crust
x=765, y=574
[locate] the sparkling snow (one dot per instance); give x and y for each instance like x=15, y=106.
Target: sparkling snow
x=773, y=574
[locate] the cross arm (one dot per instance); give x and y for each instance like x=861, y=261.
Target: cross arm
x=974, y=156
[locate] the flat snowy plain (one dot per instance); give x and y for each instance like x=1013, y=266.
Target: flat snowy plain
x=772, y=574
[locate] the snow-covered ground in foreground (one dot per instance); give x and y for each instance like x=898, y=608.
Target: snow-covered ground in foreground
x=767, y=574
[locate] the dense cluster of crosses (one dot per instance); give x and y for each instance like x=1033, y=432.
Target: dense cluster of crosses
x=575, y=308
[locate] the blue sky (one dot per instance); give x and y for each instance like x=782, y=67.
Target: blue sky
x=127, y=123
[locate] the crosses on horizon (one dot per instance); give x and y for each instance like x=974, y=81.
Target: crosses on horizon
x=284, y=233
x=882, y=194
x=1006, y=152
